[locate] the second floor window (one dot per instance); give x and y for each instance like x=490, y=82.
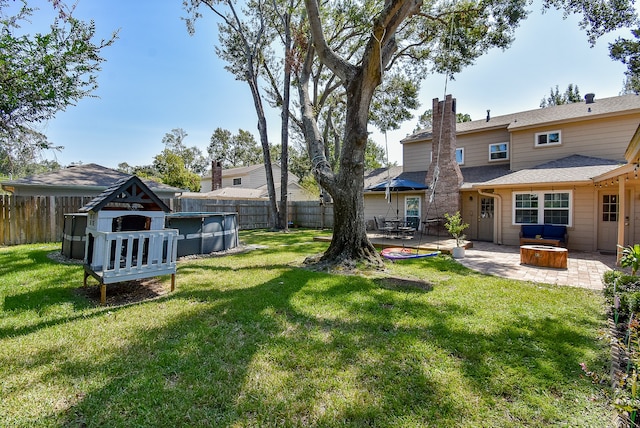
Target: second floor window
x=237, y=181
x=544, y=139
x=460, y=156
x=499, y=151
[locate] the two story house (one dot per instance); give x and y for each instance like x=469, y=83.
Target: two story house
x=558, y=165
x=249, y=182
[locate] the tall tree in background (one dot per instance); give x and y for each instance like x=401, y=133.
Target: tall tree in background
x=555, y=98
x=171, y=168
x=244, y=36
x=628, y=52
x=41, y=75
x=447, y=35
x=425, y=120
x=232, y=151
x=192, y=157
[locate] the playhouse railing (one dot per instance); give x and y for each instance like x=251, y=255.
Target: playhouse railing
x=135, y=255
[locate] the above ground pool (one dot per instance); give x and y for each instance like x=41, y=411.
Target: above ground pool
x=204, y=232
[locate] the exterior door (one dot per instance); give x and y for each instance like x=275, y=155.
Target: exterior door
x=608, y=221
x=485, y=219
x=412, y=206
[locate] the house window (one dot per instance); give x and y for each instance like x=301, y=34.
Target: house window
x=237, y=181
x=542, y=208
x=544, y=139
x=499, y=151
x=610, y=208
x=459, y=156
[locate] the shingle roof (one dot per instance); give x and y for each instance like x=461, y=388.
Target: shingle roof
x=480, y=174
x=86, y=175
x=128, y=190
x=571, y=169
x=378, y=175
x=556, y=114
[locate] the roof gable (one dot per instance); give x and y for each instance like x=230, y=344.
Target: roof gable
x=130, y=192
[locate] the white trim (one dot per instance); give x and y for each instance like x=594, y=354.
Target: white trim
x=419, y=205
x=536, y=141
x=540, y=207
x=506, y=150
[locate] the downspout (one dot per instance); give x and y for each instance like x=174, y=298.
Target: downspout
x=497, y=219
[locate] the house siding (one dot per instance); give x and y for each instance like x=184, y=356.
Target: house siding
x=416, y=156
x=604, y=138
x=584, y=216
x=476, y=146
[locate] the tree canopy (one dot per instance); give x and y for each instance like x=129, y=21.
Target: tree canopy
x=555, y=98
x=627, y=51
x=42, y=74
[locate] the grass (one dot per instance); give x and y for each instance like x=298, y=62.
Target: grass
x=253, y=339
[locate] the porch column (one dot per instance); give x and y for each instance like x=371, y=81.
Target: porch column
x=622, y=209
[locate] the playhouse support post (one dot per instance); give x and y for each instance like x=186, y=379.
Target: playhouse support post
x=173, y=281
x=103, y=294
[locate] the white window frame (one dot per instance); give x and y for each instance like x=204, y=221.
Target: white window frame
x=537, y=142
x=541, y=208
x=406, y=200
x=506, y=151
x=237, y=181
x=461, y=150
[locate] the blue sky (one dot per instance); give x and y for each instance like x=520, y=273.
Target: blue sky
x=157, y=77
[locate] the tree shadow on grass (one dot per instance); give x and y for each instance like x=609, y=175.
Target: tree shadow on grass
x=322, y=351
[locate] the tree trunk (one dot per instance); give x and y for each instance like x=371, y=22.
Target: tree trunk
x=264, y=140
x=284, y=162
x=350, y=243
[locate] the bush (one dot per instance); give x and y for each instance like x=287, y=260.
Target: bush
x=622, y=293
x=620, y=282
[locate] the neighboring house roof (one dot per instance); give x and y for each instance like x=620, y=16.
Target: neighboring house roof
x=243, y=170
x=604, y=107
x=130, y=191
x=227, y=193
x=91, y=177
x=571, y=169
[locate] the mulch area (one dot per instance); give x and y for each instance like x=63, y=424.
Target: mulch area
x=125, y=293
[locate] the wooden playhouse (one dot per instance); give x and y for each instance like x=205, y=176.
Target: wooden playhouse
x=125, y=236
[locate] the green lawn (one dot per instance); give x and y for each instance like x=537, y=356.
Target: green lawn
x=253, y=339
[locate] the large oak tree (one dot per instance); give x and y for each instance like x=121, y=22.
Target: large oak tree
x=411, y=35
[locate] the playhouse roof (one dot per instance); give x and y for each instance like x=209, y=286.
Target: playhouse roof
x=130, y=192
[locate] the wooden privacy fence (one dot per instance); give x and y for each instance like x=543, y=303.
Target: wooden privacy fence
x=33, y=219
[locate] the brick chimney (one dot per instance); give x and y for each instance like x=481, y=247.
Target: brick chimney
x=216, y=175
x=446, y=196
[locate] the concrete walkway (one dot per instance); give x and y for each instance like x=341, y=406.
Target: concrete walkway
x=584, y=269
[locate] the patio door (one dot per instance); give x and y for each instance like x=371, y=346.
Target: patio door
x=412, y=206
x=608, y=216
x=485, y=219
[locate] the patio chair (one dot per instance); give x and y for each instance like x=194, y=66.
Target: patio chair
x=381, y=226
